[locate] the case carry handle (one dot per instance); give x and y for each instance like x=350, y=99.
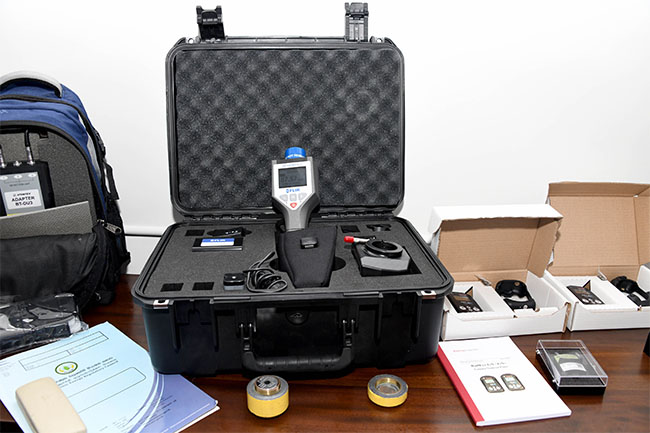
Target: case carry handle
x=298, y=363
x=316, y=363
x=33, y=76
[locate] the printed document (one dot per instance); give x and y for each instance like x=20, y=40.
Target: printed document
x=110, y=382
x=497, y=383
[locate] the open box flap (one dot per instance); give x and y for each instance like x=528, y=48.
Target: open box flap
x=494, y=240
x=606, y=227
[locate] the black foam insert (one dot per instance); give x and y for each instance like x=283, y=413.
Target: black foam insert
x=234, y=110
x=176, y=264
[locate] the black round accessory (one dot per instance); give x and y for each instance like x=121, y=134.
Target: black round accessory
x=377, y=257
x=509, y=288
x=384, y=248
x=624, y=284
x=634, y=293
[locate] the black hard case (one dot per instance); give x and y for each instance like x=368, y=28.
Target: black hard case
x=233, y=106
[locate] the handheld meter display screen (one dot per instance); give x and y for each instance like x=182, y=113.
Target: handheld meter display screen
x=295, y=189
x=288, y=177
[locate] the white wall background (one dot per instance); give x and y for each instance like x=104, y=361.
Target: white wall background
x=502, y=96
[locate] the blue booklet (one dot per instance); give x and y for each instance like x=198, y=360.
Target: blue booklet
x=110, y=382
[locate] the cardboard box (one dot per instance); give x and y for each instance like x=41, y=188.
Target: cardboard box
x=606, y=229
x=497, y=243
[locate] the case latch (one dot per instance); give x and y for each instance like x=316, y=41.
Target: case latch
x=356, y=22
x=210, y=23
x=348, y=332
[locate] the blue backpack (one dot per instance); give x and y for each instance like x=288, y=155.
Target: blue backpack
x=62, y=231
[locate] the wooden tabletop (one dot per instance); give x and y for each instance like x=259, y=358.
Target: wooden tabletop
x=341, y=403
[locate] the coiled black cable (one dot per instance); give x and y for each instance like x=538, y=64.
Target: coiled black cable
x=260, y=278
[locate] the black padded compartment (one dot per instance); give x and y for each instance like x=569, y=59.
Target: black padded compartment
x=177, y=268
x=235, y=106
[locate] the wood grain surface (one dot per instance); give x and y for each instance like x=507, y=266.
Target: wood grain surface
x=340, y=403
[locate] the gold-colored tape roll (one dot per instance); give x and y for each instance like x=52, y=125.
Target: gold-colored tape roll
x=387, y=390
x=267, y=396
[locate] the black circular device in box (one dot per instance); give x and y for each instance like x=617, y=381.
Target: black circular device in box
x=384, y=248
x=634, y=292
x=624, y=284
x=511, y=289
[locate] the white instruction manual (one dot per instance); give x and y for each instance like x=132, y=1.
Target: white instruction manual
x=497, y=383
x=110, y=382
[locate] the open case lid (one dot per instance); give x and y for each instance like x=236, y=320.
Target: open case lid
x=606, y=227
x=493, y=240
x=235, y=104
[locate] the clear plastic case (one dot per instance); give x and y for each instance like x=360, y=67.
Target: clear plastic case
x=571, y=367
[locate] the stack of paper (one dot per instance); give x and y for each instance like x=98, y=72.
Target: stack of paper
x=110, y=382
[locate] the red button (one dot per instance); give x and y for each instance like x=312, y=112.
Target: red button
x=293, y=205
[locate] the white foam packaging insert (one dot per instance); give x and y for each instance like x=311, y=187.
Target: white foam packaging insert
x=605, y=230
x=496, y=243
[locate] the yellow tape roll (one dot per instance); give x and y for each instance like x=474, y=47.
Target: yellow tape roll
x=268, y=396
x=387, y=390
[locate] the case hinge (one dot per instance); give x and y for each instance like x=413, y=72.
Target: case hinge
x=356, y=214
x=210, y=23
x=356, y=22
x=224, y=217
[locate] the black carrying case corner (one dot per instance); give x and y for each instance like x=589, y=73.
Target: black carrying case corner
x=233, y=105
